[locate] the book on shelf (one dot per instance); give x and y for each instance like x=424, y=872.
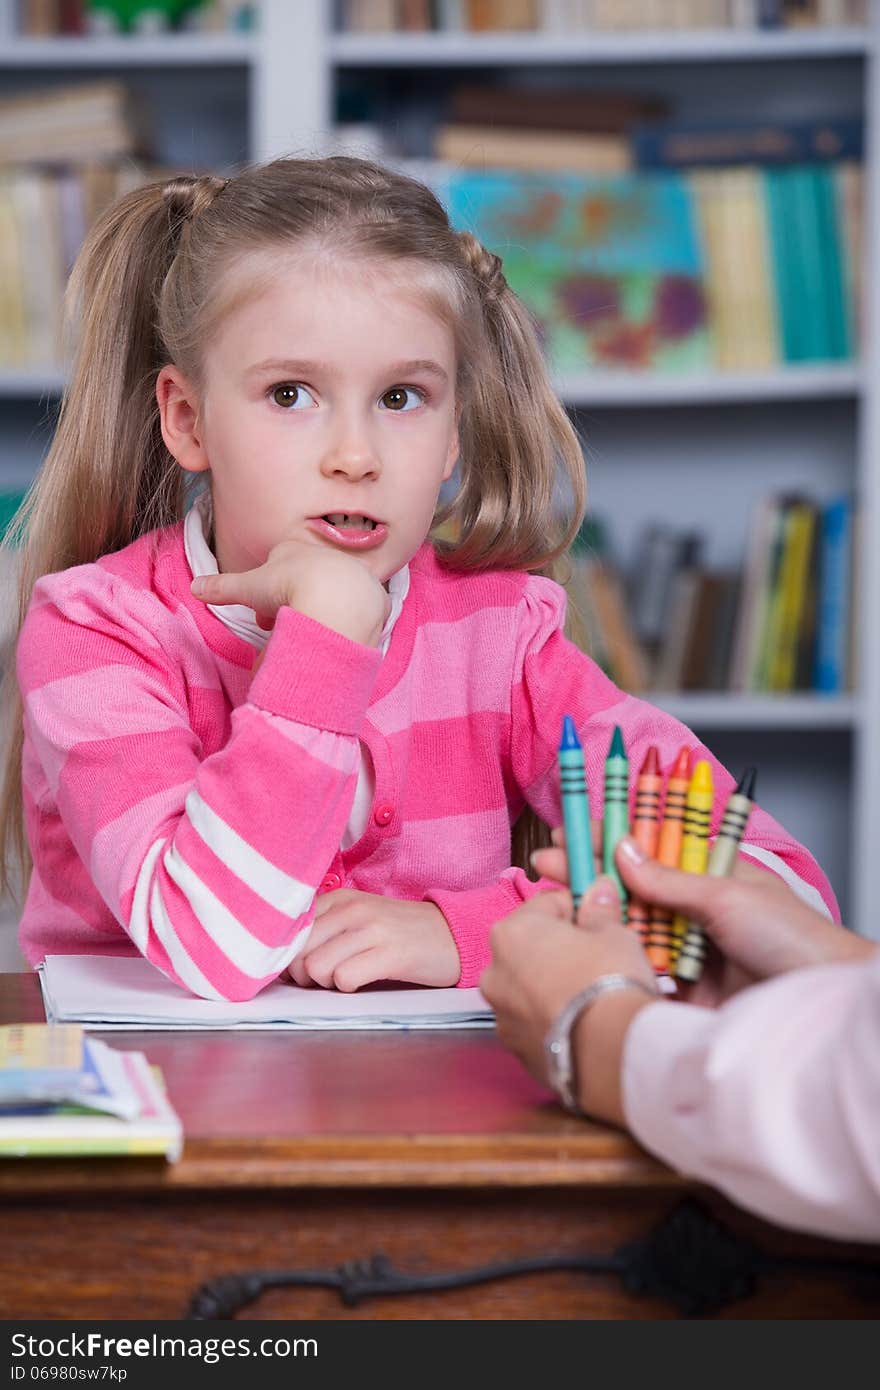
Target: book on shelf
x=787, y=602
x=781, y=623
x=64, y=1094
x=44, y=216
x=515, y=105
x=604, y=16
x=55, y=18
x=661, y=551
x=832, y=668
x=682, y=600
x=86, y=121
x=610, y=267
x=677, y=145
x=490, y=147
x=599, y=620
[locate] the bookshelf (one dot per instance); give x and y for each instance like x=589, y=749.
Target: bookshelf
x=700, y=440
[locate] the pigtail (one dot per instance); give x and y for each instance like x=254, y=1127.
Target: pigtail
x=516, y=440
x=107, y=477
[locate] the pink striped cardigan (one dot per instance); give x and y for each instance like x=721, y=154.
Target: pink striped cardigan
x=179, y=807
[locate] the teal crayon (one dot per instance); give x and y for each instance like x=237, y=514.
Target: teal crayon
x=575, y=812
x=615, y=823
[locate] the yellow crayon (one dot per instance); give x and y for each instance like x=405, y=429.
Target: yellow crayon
x=694, y=841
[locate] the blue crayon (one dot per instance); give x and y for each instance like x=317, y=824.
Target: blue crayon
x=575, y=812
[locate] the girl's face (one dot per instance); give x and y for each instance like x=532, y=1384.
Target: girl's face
x=329, y=394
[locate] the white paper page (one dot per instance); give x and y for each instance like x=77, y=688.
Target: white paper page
x=128, y=992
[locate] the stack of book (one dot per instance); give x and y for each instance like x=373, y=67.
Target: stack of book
x=559, y=129
x=63, y=1093
x=613, y=16
x=783, y=623
x=65, y=155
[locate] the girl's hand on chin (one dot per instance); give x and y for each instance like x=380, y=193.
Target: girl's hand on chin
x=330, y=586
x=358, y=938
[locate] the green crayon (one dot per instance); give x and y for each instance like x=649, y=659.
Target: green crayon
x=692, y=953
x=616, y=818
x=575, y=812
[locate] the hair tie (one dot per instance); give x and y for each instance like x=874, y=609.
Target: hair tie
x=188, y=195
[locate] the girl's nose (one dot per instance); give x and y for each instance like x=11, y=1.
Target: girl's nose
x=351, y=452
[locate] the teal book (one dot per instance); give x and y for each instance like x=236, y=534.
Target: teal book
x=808, y=266
x=834, y=285
x=778, y=221
x=610, y=267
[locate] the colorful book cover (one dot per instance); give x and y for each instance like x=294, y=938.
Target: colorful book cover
x=610, y=267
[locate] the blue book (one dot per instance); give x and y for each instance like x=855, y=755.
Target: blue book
x=833, y=618
x=677, y=145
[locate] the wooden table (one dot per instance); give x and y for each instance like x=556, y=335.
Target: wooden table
x=316, y=1150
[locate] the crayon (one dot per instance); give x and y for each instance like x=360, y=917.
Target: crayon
x=659, y=938
x=646, y=830
x=692, y=955
x=575, y=812
x=694, y=841
x=615, y=823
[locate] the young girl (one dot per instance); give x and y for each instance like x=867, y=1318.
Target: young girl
x=288, y=731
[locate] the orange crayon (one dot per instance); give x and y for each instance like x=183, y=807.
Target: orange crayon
x=658, y=942
x=646, y=829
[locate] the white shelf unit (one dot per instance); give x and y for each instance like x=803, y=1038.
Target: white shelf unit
x=640, y=46
x=288, y=71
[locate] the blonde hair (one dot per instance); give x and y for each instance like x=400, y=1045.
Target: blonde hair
x=148, y=288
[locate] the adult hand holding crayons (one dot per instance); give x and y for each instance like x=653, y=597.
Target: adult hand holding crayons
x=758, y=925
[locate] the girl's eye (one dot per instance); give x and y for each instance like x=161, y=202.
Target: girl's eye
x=292, y=396
x=402, y=398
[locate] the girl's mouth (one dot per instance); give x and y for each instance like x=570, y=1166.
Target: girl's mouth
x=349, y=530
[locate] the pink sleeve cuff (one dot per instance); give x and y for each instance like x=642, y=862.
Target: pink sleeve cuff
x=470, y=914
x=315, y=676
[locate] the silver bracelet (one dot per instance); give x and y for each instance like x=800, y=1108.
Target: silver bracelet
x=557, y=1043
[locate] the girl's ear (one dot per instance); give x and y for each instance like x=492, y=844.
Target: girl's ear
x=181, y=430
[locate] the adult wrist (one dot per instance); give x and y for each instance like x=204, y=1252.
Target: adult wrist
x=560, y=1050
x=599, y=1044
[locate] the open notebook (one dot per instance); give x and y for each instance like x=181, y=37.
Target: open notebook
x=128, y=992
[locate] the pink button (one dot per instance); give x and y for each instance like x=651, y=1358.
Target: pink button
x=383, y=813
x=330, y=882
